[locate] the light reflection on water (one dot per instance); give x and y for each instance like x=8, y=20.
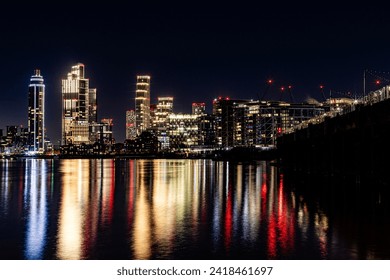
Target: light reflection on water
x=35, y=198
x=166, y=209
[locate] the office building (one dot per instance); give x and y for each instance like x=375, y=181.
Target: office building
x=182, y=130
x=79, y=107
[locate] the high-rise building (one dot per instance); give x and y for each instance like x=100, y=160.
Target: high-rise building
x=142, y=103
x=36, y=113
x=223, y=111
x=131, y=132
x=79, y=107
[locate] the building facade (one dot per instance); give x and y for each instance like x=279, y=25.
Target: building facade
x=182, y=130
x=36, y=113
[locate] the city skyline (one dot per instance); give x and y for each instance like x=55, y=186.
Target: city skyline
x=192, y=53
x=142, y=94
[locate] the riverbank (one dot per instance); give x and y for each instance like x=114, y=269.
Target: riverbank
x=234, y=154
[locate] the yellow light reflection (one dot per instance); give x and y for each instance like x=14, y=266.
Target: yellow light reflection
x=142, y=230
x=70, y=229
x=321, y=229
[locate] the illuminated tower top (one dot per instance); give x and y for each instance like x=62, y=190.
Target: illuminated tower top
x=77, y=71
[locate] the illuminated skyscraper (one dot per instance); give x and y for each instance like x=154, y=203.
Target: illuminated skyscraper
x=142, y=103
x=79, y=107
x=36, y=113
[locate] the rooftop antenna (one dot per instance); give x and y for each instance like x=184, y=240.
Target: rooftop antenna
x=290, y=92
x=268, y=85
x=322, y=92
x=282, y=88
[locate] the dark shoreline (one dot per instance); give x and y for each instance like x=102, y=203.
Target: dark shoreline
x=235, y=154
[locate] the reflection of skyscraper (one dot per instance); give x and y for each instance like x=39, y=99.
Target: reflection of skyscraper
x=36, y=113
x=142, y=103
x=79, y=107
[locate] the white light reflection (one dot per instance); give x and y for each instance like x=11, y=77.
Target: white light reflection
x=4, y=188
x=35, y=196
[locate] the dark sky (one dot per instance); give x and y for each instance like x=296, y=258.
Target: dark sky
x=194, y=51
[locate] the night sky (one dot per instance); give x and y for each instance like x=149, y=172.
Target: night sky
x=194, y=52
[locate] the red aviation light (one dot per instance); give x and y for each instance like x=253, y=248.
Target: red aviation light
x=270, y=81
x=377, y=82
x=321, y=87
x=282, y=88
x=289, y=87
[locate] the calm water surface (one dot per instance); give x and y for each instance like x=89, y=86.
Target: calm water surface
x=180, y=209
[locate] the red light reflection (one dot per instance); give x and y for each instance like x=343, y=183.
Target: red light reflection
x=228, y=219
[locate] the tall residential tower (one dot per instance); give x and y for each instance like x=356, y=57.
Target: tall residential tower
x=36, y=113
x=142, y=103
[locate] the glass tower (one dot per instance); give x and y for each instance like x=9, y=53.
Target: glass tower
x=36, y=113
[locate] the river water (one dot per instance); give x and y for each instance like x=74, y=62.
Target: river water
x=183, y=209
